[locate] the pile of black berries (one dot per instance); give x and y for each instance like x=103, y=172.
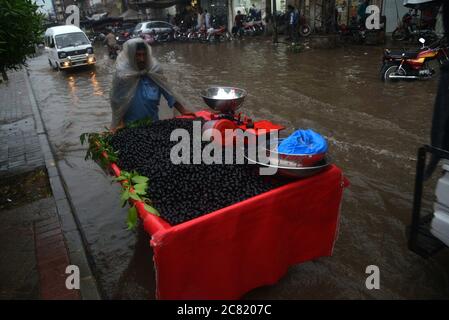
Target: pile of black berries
x=183, y=192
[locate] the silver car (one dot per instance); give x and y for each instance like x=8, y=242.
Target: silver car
x=156, y=27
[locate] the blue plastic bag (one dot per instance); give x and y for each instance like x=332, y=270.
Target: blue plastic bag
x=303, y=142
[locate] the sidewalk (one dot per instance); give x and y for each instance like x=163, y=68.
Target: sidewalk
x=19, y=142
x=39, y=237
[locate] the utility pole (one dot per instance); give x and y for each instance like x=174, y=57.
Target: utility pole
x=332, y=17
x=275, y=24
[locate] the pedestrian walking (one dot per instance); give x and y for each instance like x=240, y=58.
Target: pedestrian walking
x=207, y=19
x=293, y=20
x=238, y=25
x=268, y=21
x=200, y=19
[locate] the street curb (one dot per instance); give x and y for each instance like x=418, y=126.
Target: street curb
x=75, y=241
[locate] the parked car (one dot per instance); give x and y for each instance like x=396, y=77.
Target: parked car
x=155, y=27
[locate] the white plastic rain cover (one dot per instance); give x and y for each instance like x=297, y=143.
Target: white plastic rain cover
x=127, y=76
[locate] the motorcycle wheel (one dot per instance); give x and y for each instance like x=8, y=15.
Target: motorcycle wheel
x=222, y=37
x=204, y=38
x=192, y=36
x=389, y=69
x=305, y=30
x=399, y=34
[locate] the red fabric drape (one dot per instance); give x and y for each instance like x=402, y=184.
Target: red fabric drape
x=225, y=254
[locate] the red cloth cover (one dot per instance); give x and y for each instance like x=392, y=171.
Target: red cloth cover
x=225, y=254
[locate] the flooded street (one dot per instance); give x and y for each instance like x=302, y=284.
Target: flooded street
x=374, y=130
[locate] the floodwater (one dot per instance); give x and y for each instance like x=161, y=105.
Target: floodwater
x=373, y=128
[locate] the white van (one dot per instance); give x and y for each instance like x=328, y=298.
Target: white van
x=67, y=47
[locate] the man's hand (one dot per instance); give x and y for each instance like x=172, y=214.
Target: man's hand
x=120, y=126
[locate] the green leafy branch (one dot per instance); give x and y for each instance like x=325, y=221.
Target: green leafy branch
x=99, y=144
x=145, y=122
x=134, y=185
x=134, y=188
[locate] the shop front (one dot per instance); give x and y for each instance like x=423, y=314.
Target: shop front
x=219, y=9
x=346, y=9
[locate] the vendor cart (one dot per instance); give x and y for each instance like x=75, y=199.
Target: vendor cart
x=227, y=253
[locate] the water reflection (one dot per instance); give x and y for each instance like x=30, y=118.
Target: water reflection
x=95, y=85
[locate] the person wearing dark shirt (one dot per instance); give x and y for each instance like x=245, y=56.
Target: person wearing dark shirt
x=361, y=13
x=238, y=21
x=292, y=22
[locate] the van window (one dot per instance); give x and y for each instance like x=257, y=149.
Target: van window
x=71, y=39
x=138, y=27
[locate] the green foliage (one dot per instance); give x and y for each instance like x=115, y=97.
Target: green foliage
x=132, y=218
x=145, y=122
x=134, y=188
x=21, y=27
x=134, y=185
x=99, y=143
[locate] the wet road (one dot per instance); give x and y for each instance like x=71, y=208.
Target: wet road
x=374, y=130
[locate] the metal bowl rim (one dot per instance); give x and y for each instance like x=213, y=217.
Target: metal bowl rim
x=290, y=168
x=293, y=154
x=225, y=99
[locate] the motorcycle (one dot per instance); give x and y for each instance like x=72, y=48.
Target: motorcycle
x=413, y=64
x=249, y=27
x=198, y=35
x=409, y=29
x=96, y=37
x=164, y=37
x=181, y=32
x=152, y=38
x=355, y=32
x=258, y=27
x=304, y=29
x=123, y=37
x=149, y=38
x=219, y=34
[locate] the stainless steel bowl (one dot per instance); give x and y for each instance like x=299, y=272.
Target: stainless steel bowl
x=291, y=170
x=223, y=99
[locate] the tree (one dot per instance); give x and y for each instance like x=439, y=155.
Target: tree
x=21, y=27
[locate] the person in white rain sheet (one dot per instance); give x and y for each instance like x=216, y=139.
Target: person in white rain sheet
x=138, y=85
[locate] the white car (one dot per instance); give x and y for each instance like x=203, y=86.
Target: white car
x=67, y=47
x=156, y=27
